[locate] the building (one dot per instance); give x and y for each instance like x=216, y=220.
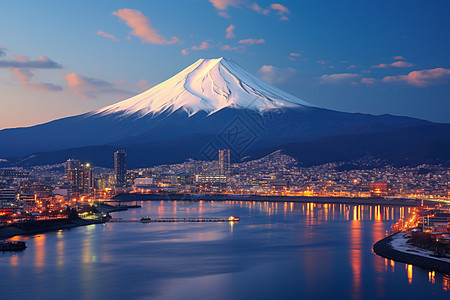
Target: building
x=224, y=162
x=8, y=195
x=79, y=177
x=210, y=179
x=73, y=164
x=379, y=189
x=120, y=167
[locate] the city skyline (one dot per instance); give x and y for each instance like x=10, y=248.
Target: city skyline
x=387, y=64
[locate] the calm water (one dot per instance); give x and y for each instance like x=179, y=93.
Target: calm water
x=276, y=251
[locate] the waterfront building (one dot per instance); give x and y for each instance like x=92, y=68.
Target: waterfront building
x=120, y=167
x=224, y=162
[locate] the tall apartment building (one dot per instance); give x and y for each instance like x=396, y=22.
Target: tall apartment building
x=120, y=167
x=224, y=162
x=79, y=177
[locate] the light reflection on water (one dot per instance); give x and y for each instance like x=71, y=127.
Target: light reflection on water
x=277, y=250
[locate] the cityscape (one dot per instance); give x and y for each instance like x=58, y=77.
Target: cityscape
x=217, y=149
x=47, y=191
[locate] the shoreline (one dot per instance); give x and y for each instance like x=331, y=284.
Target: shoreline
x=131, y=197
x=384, y=249
x=38, y=227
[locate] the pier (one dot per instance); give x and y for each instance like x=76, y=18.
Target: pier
x=175, y=220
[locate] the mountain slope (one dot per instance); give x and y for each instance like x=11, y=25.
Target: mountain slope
x=208, y=85
x=210, y=97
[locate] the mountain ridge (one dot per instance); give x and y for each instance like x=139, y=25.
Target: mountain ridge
x=221, y=97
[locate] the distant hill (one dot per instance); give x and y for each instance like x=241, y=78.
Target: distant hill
x=401, y=147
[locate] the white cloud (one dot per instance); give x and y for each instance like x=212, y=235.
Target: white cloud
x=342, y=78
x=273, y=74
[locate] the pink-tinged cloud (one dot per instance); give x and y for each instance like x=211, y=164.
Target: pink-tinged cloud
x=250, y=42
x=185, y=51
x=342, y=78
x=280, y=8
x=86, y=87
x=380, y=66
x=142, y=28
x=321, y=62
x=230, y=32
x=107, y=35
x=281, y=11
x=255, y=6
x=144, y=84
x=223, y=4
x=397, y=64
x=273, y=74
x=25, y=75
x=399, y=57
x=422, y=78
x=239, y=49
x=294, y=56
x=202, y=46
x=367, y=80
x=402, y=64
x=23, y=62
x=223, y=14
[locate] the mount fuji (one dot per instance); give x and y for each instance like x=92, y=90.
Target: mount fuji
x=211, y=104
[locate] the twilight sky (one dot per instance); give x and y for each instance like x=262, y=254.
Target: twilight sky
x=62, y=58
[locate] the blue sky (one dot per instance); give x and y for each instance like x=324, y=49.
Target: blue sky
x=61, y=58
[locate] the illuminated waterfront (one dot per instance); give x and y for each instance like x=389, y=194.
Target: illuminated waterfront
x=277, y=250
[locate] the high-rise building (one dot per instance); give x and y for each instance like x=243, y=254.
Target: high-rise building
x=120, y=167
x=80, y=177
x=73, y=164
x=224, y=162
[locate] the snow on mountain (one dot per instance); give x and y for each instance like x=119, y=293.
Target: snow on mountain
x=207, y=85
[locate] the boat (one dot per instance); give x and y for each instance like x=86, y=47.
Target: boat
x=233, y=219
x=146, y=220
x=12, y=246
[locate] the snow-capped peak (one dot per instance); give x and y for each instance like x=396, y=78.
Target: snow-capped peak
x=207, y=85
